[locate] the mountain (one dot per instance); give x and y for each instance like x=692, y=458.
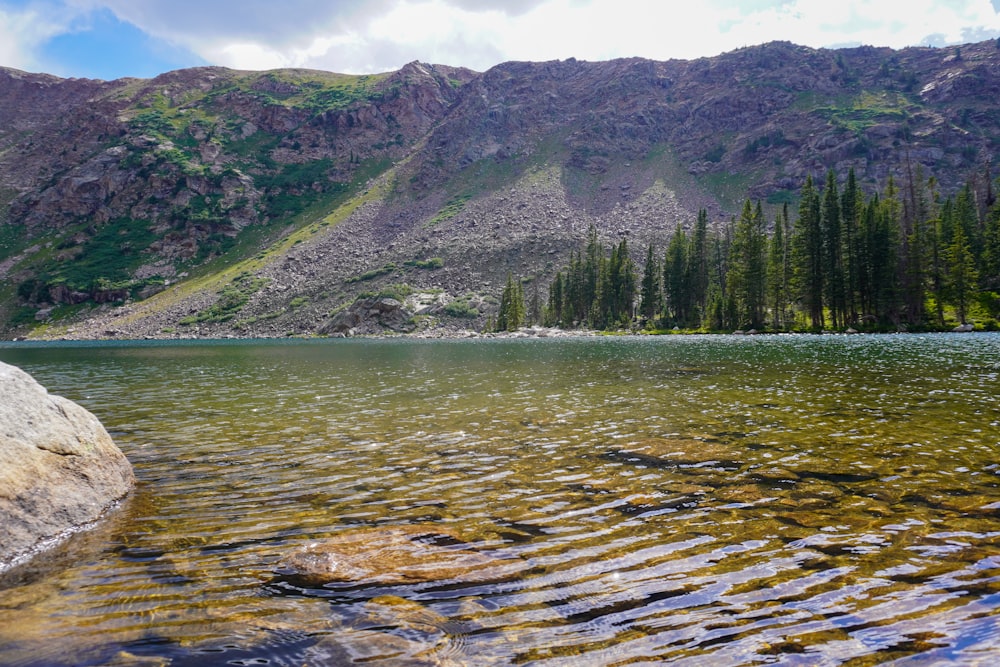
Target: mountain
x=217, y=202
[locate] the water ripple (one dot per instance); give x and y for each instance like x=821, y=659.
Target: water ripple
x=789, y=500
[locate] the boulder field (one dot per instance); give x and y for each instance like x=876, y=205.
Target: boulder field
x=59, y=468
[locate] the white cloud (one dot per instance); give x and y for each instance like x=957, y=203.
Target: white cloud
x=24, y=30
x=247, y=55
x=278, y=25
x=823, y=24
x=378, y=35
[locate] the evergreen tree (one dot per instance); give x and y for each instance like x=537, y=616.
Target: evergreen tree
x=851, y=207
x=601, y=308
x=625, y=284
x=676, y=288
x=885, y=258
x=616, y=292
x=747, y=277
x=591, y=269
x=576, y=306
x=650, y=297
x=961, y=274
x=511, y=314
x=866, y=269
x=934, y=262
x=913, y=237
x=518, y=311
x=990, y=275
x=715, y=318
x=698, y=268
x=852, y=259
x=778, y=270
x=807, y=254
x=718, y=268
x=967, y=217
x=533, y=311
x=502, y=322
x=553, y=316
x=833, y=259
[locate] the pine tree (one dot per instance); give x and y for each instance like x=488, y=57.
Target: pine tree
x=518, y=313
x=990, y=275
x=591, y=269
x=778, y=270
x=576, y=306
x=851, y=207
x=502, y=322
x=715, y=319
x=852, y=259
x=553, y=316
x=650, y=297
x=886, y=278
x=511, y=314
x=961, y=273
x=747, y=277
x=913, y=237
x=807, y=253
x=616, y=289
x=625, y=286
x=698, y=267
x=866, y=260
x=967, y=217
x=934, y=262
x=676, y=289
x=833, y=260
x=718, y=259
x=533, y=311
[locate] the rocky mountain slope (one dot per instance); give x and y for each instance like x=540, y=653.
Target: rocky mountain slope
x=213, y=202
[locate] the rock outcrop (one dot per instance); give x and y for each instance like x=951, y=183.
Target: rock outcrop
x=368, y=316
x=59, y=468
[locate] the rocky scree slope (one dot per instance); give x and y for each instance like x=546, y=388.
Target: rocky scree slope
x=272, y=201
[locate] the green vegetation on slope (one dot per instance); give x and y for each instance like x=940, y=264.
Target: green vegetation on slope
x=103, y=263
x=231, y=299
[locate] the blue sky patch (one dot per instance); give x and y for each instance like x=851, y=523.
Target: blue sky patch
x=104, y=47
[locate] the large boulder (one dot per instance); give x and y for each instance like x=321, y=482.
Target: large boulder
x=370, y=315
x=59, y=468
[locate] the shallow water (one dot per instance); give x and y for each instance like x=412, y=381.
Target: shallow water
x=790, y=500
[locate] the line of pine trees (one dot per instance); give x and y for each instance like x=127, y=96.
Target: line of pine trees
x=896, y=260
x=596, y=290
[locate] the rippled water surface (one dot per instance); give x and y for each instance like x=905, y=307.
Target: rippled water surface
x=696, y=500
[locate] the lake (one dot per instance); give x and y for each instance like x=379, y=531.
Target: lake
x=700, y=500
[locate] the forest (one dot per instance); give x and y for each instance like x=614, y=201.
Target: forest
x=903, y=259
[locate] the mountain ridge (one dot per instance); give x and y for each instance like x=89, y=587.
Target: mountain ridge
x=185, y=176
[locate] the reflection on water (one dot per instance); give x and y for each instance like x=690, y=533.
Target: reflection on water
x=790, y=500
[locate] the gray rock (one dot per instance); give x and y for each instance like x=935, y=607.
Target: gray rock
x=371, y=315
x=59, y=468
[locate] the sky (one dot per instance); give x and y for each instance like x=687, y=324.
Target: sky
x=109, y=39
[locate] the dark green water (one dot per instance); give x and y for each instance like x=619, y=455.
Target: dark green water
x=696, y=500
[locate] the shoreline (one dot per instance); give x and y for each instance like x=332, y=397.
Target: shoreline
x=468, y=334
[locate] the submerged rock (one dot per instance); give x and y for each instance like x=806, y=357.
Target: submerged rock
x=684, y=451
x=59, y=468
x=394, y=555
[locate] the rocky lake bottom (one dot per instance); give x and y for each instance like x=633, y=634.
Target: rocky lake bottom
x=793, y=500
